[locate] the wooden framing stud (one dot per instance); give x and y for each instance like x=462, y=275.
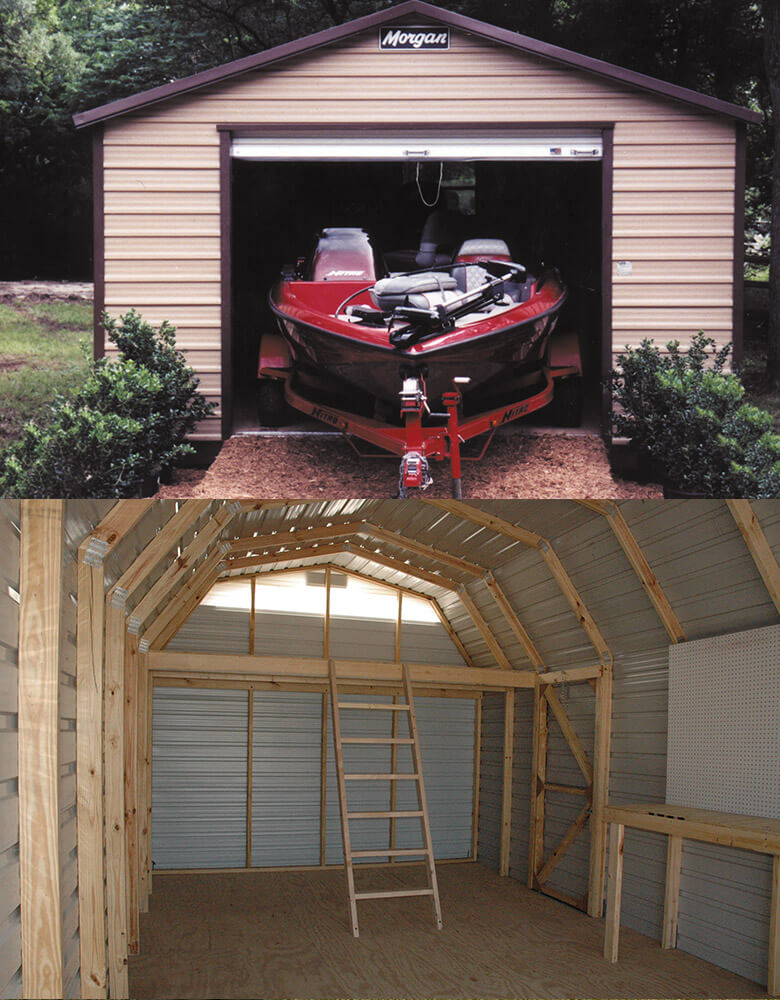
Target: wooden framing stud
x=598, y=828
x=773, y=986
x=758, y=546
x=38, y=761
x=538, y=779
x=506, y=790
x=428, y=551
x=484, y=629
x=514, y=622
x=130, y=750
x=300, y=537
x=614, y=890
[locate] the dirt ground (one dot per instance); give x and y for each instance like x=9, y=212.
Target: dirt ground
x=46, y=291
x=528, y=466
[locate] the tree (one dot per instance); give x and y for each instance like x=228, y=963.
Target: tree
x=772, y=63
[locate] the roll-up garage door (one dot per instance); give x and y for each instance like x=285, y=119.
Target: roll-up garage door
x=538, y=145
x=199, y=766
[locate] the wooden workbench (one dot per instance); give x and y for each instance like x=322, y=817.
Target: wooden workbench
x=750, y=833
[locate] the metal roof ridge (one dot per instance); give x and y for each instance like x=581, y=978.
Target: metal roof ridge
x=328, y=36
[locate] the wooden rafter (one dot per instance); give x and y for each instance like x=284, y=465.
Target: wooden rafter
x=159, y=547
x=485, y=520
x=195, y=586
x=448, y=628
x=300, y=536
x=285, y=555
x=437, y=579
x=428, y=551
x=179, y=568
x=514, y=622
x=758, y=546
x=121, y=519
x=640, y=565
x=484, y=629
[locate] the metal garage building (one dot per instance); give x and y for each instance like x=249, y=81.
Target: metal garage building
x=168, y=808
x=179, y=170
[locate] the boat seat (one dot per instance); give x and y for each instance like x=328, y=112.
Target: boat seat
x=420, y=291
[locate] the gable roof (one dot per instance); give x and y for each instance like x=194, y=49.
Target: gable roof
x=417, y=8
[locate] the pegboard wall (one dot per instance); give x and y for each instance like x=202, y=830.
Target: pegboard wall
x=724, y=723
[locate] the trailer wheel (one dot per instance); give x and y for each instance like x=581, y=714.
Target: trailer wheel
x=566, y=408
x=272, y=409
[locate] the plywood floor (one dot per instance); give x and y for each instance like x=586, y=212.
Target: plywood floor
x=285, y=934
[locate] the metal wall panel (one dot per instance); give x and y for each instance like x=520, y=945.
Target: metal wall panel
x=355, y=638
x=199, y=778
x=288, y=635
x=424, y=643
x=491, y=778
x=214, y=630
x=286, y=757
x=446, y=728
x=10, y=919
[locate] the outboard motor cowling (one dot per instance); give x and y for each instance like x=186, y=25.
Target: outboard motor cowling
x=342, y=255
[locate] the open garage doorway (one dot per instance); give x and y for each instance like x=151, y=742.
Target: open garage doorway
x=546, y=205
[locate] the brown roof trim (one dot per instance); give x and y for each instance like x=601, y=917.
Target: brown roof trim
x=414, y=8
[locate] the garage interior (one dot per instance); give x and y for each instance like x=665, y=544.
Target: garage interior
x=596, y=690
x=549, y=213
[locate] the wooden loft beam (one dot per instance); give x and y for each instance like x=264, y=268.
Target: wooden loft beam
x=121, y=519
x=485, y=520
x=179, y=569
x=428, y=551
x=38, y=755
x=301, y=536
x=758, y=546
x=640, y=565
x=159, y=547
x=277, y=668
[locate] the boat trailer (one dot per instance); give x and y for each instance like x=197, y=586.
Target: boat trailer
x=416, y=442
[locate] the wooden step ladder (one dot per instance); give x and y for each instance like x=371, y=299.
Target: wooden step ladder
x=421, y=812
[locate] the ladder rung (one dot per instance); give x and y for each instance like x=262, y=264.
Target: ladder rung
x=381, y=777
x=373, y=706
x=405, y=852
x=376, y=739
x=385, y=815
x=393, y=893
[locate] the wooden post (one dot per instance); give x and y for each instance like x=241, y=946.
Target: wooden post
x=394, y=728
x=252, y=585
x=131, y=805
x=323, y=778
x=598, y=829
x=672, y=892
x=250, y=728
x=538, y=778
x=39, y=647
x=149, y=765
x=326, y=623
x=773, y=986
x=89, y=756
x=615, y=888
x=506, y=793
x=141, y=765
x=115, y=802
x=477, y=776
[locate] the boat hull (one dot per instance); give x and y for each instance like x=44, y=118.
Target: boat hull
x=491, y=354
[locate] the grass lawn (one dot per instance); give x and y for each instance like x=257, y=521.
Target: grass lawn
x=40, y=356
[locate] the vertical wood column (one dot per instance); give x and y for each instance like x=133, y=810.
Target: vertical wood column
x=598, y=828
x=506, y=795
x=773, y=987
x=142, y=762
x=538, y=779
x=252, y=586
x=394, y=728
x=250, y=758
x=39, y=645
x=115, y=802
x=149, y=816
x=131, y=792
x=323, y=777
x=672, y=891
x=89, y=757
x=615, y=890
x=477, y=777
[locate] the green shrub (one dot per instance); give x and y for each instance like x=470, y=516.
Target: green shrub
x=687, y=412
x=128, y=419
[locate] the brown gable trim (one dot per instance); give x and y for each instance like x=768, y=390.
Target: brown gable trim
x=415, y=8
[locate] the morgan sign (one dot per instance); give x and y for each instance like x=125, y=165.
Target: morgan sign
x=397, y=38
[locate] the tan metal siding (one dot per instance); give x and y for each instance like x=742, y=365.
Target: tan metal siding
x=673, y=179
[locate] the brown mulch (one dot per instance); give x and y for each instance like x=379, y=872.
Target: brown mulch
x=531, y=466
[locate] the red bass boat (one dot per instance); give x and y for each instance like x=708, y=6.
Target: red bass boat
x=463, y=346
